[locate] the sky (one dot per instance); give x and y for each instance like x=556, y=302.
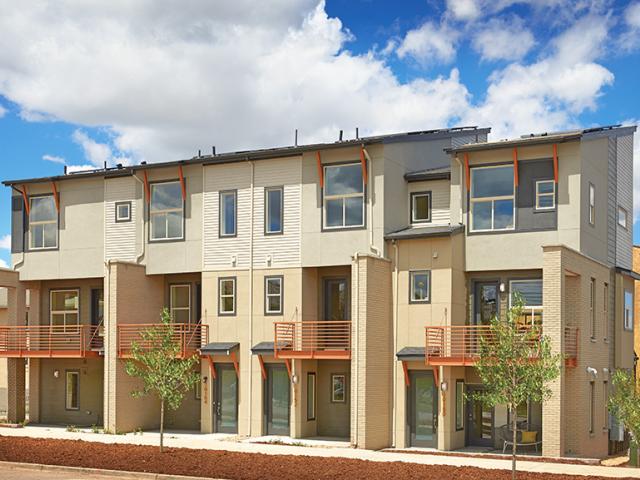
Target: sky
x=84, y=83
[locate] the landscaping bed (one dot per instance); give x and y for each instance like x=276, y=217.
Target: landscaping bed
x=233, y=465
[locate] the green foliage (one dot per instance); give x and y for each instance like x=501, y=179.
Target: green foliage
x=72, y=428
x=624, y=403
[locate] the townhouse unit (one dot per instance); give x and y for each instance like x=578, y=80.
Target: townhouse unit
x=332, y=290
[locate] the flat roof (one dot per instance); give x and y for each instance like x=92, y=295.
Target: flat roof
x=440, y=173
x=260, y=154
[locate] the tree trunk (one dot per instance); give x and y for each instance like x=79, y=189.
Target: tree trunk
x=514, y=426
x=161, y=424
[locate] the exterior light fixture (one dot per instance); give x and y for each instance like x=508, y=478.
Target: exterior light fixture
x=56, y=373
x=444, y=386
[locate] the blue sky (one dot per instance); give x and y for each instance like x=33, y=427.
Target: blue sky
x=84, y=84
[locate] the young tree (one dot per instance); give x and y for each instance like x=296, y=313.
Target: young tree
x=515, y=363
x=156, y=361
x=624, y=403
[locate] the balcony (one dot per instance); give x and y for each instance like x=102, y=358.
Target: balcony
x=328, y=339
x=49, y=341
x=190, y=336
x=571, y=338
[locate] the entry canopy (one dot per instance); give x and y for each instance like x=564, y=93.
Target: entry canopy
x=219, y=348
x=408, y=354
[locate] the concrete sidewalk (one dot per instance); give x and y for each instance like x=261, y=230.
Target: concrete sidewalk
x=232, y=443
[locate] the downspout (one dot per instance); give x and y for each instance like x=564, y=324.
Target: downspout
x=18, y=264
x=107, y=324
x=395, y=339
x=250, y=292
x=462, y=186
x=142, y=239
x=357, y=345
x=372, y=246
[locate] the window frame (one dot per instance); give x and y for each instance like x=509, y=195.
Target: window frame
x=41, y=222
x=592, y=407
x=592, y=204
x=472, y=201
x=605, y=308
x=68, y=373
x=233, y=295
x=119, y=219
x=605, y=396
x=326, y=197
x=460, y=409
x=626, y=217
x=152, y=212
x=627, y=319
x=223, y=193
x=412, y=274
x=267, y=190
x=172, y=308
x=334, y=377
x=552, y=194
x=412, y=209
x=528, y=309
x=311, y=412
x=66, y=328
x=592, y=308
x=268, y=312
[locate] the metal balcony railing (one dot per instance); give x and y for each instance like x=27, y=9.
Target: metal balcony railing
x=62, y=341
x=190, y=336
x=329, y=339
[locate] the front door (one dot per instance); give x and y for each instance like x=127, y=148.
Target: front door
x=226, y=403
x=277, y=400
x=480, y=428
x=487, y=304
x=423, y=410
x=336, y=299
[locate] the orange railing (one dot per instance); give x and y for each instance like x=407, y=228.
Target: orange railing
x=190, y=336
x=63, y=341
x=329, y=339
x=571, y=338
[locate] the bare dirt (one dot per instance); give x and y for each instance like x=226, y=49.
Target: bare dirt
x=233, y=465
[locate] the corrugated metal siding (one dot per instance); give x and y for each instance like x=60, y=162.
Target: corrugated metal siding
x=612, y=201
x=120, y=238
x=440, y=198
x=458, y=141
x=624, y=237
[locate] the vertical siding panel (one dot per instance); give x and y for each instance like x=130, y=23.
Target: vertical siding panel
x=120, y=238
x=624, y=189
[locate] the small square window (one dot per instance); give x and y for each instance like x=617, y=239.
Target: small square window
x=545, y=195
x=421, y=207
x=123, y=212
x=419, y=287
x=622, y=217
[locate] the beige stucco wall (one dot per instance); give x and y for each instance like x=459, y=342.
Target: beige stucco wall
x=636, y=310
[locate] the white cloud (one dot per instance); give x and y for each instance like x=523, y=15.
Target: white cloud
x=3, y=111
x=632, y=15
x=54, y=159
x=464, y=9
x=3, y=263
x=503, y=39
x=99, y=154
x=429, y=43
x=79, y=168
x=636, y=168
x=5, y=242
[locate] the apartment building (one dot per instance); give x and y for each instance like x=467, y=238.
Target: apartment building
x=330, y=290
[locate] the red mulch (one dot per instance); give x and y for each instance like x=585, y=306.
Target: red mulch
x=233, y=465
x=524, y=458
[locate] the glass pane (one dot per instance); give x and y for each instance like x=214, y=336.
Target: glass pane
x=228, y=212
x=502, y=214
x=123, y=211
x=280, y=398
x=42, y=209
x=50, y=235
x=334, y=213
x=71, y=318
x=226, y=287
x=64, y=300
x=481, y=215
x=545, y=201
x=421, y=207
x=336, y=300
x=311, y=396
x=165, y=196
x=353, y=211
x=174, y=224
x=228, y=398
x=180, y=296
x=273, y=285
x=492, y=182
x=545, y=187
x=57, y=319
x=420, y=289
x=459, y=405
x=529, y=290
x=72, y=390
x=338, y=393
x=622, y=217
x=36, y=236
x=274, y=211
x=424, y=427
x=227, y=304
x=343, y=179
x=274, y=304
x=488, y=303
x=159, y=226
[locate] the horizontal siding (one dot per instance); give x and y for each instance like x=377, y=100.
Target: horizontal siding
x=612, y=201
x=624, y=237
x=440, y=199
x=120, y=238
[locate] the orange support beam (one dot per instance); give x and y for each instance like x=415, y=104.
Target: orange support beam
x=182, y=185
x=320, y=170
x=147, y=190
x=25, y=198
x=466, y=171
x=555, y=162
x=363, y=162
x=287, y=363
x=234, y=359
x=407, y=379
x=55, y=196
x=212, y=367
x=262, y=369
x=515, y=167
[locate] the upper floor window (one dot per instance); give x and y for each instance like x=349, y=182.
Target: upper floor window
x=227, y=296
x=228, y=223
x=530, y=292
x=628, y=310
x=166, y=212
x=180, y=303
x=492, y=198
x=592, y=307
x=545, y=195
x=273, y=295
x=64, y=308
x=592, y=204
x=419, y=287
x=123, y=212
x=343, y=196
x=273, y=210
x=420, y=207
x=43, y=223
x=622, y=217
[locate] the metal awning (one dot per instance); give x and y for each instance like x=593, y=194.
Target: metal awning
x=408, y=354
x=219, y=348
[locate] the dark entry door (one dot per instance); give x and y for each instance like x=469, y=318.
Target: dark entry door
x=277, y=400
x=336, y=299
x=487, y=304
x=423, y=410
x=226, y=404
x=480, y=428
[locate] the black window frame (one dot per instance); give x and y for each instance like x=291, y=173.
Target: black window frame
x=128, y=219
x=412, y=196
x=411, y=276
x=28, y=225
x=235, y=297
x=460, y=382
x=222, y=193
x=266, y=210
x=66, y=387
x=266, y=298
x=323, y=199
x=315, y=395
x=184, y=210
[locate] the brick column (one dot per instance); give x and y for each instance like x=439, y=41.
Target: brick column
x=16, y=300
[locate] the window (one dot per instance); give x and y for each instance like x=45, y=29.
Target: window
x=459, y=404
x=227, y=296
x=273, y=199
x=545, y=195
x=605, y=413
x=592, y=204
x=421, y=207
x=592, y=307
x=343, y=196
x=592, y=406
x=628, y=310
x=419, y=287
x=180, y=303
x=311, y=396
x=530, y=291
x=605, y=304
x=492, y=198
x=166, y=211
x=338, y=388
x=64, y=309
x=72, y=390
x=43, y=223
x=123, y=212
x=273, y=295
x=227, y=227
x=622, y=217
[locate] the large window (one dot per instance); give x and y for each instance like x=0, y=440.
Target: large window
x=592, y=307
x=419, y=286
x=492, y=198
x=343, y=196
x=421, y=207
x=628, y=310
x=180, y=303
x=545, y=195
x=273, y=219
x=166, y=211
x=43, y=223
x=622, y=217
x=227, y=296
x=72, y=390
x=592, y=204
x=530, y=291
x=64, y=309
x=228, y=213
x=273, y=295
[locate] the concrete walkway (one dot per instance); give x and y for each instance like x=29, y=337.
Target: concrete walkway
x=232, y=443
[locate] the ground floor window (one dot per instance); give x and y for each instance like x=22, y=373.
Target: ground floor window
x=592, y=406
x=459, y=404
x=311, y=396
x=72, y=389
x=338, y=388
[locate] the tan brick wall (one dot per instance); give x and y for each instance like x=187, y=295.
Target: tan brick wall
x=636, y=309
